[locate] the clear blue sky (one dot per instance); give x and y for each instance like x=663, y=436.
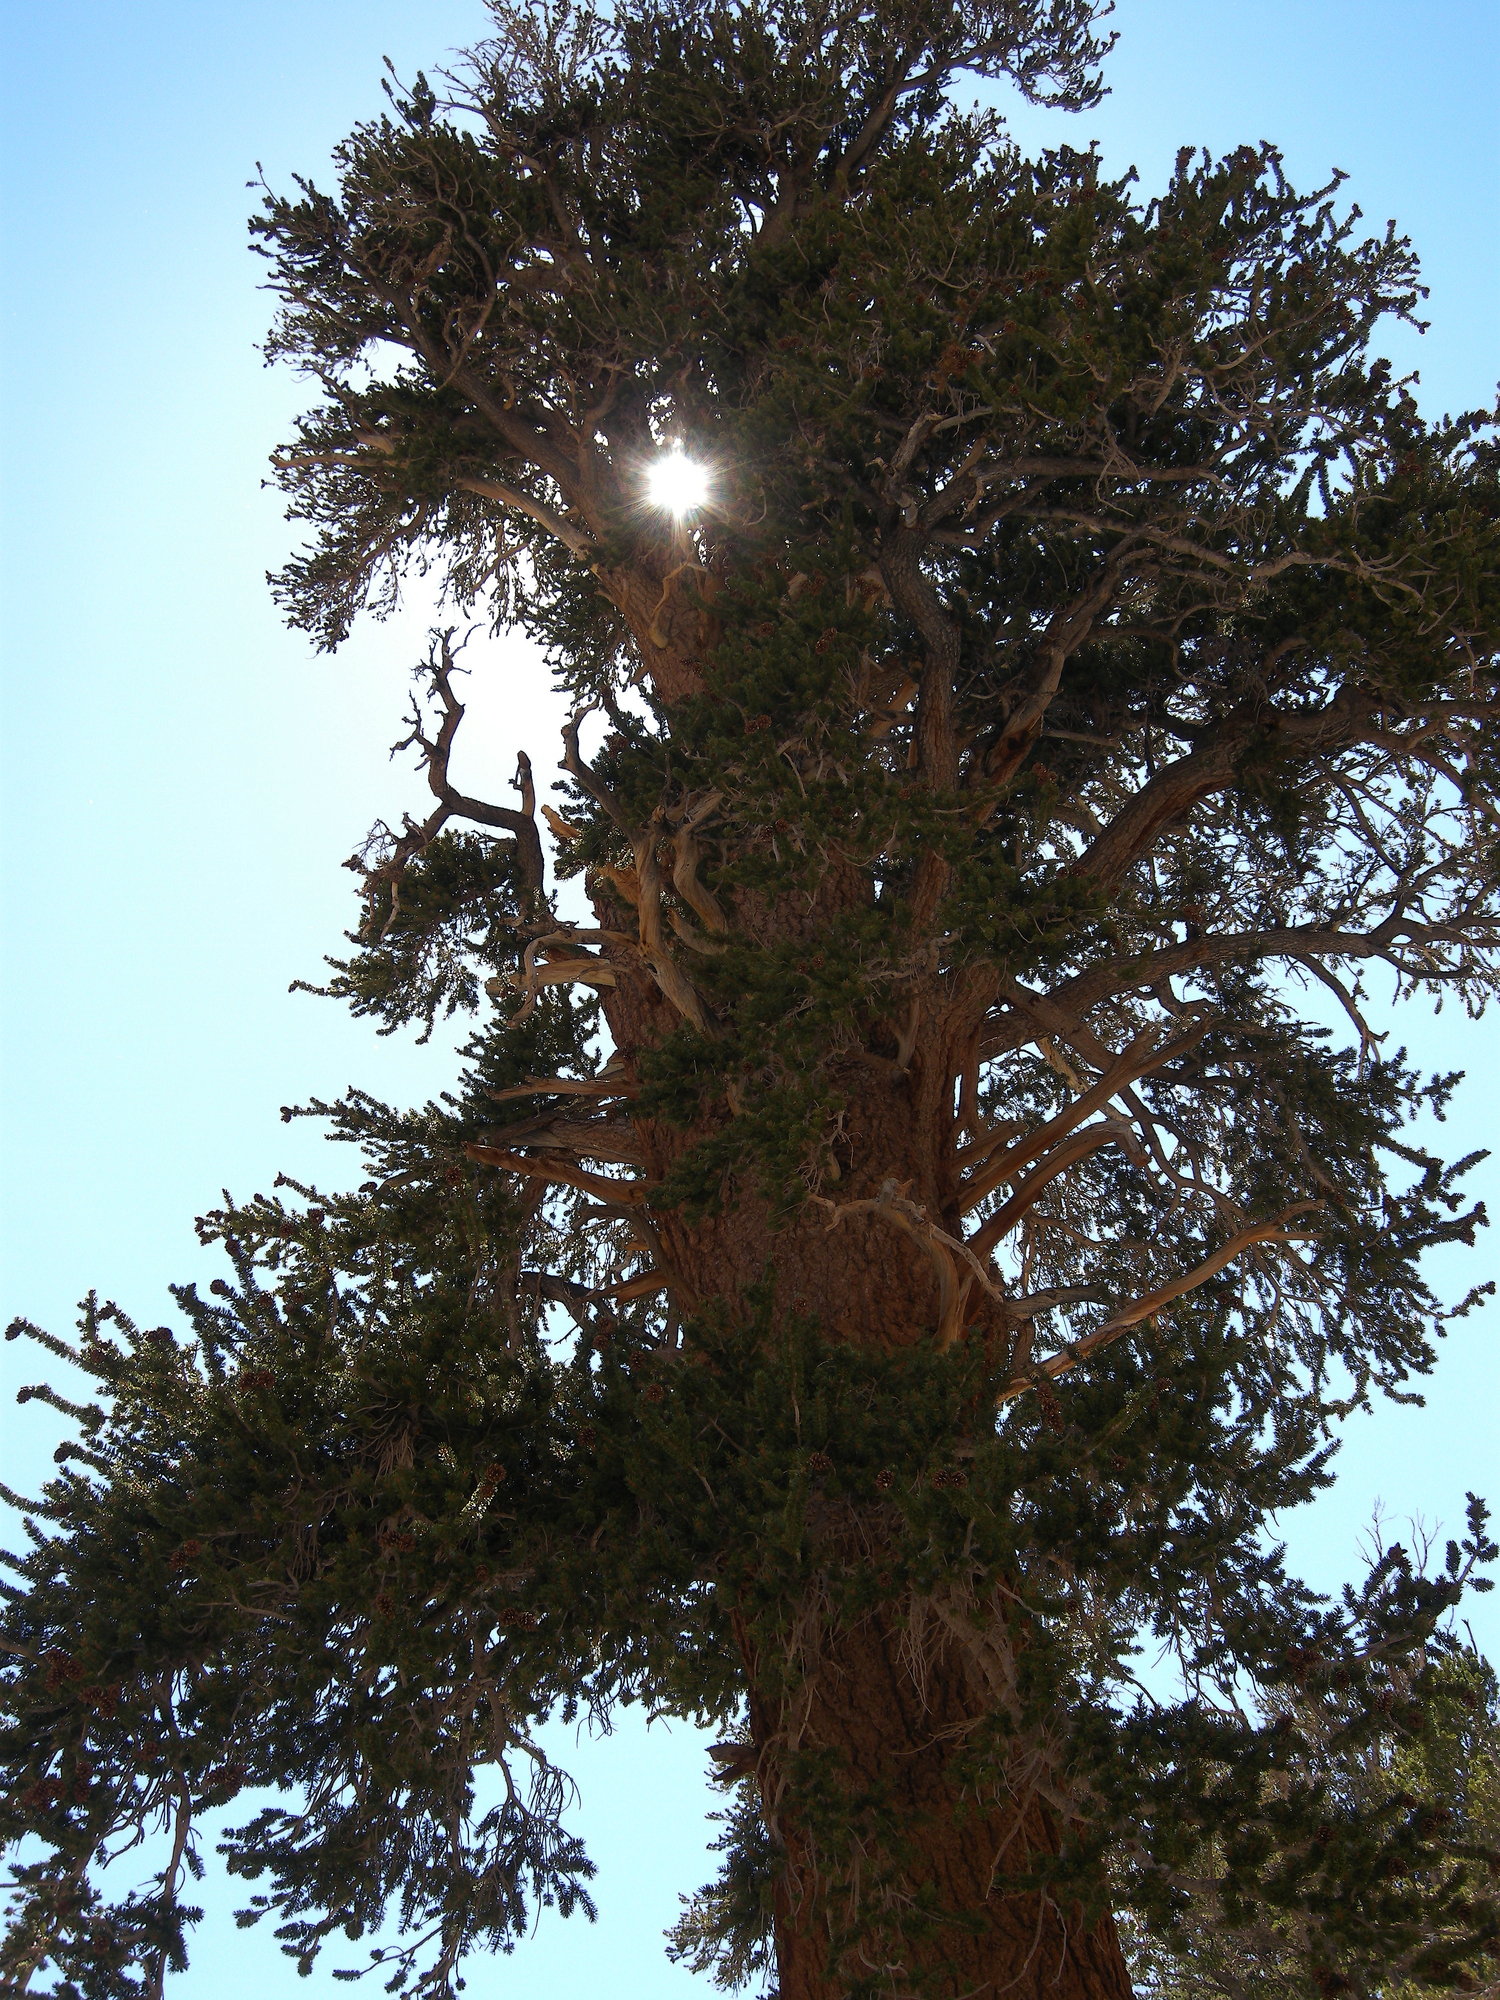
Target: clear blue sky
x=182, y=777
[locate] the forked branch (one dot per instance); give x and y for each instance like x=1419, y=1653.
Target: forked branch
x=416, y=836
x=954, y=1262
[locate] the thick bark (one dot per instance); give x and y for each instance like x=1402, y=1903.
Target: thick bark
x=867, y=1255
x=933, y=1862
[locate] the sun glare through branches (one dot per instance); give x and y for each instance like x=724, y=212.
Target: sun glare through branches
x=677, y=483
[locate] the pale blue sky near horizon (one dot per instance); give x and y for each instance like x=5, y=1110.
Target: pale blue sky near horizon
x=182, y=776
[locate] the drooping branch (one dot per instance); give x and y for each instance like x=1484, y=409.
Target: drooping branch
x=575, y=539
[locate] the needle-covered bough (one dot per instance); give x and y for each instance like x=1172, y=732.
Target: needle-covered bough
x=904, y=1227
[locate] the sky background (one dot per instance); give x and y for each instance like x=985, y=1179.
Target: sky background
x=182, y=776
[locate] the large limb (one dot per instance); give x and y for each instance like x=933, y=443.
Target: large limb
x=612, y=1081
x=1103, y=1132
x=648, y=884
x=588, y=1306
x=1026, y=702
x=1140, y=1059
x=562, y=1130
x=1309, y=944
x=625, y=1194
x=915, y=598
x=1211, y=766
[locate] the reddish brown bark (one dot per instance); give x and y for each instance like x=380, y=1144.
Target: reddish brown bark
x=872, y=1278
x=942, y=1915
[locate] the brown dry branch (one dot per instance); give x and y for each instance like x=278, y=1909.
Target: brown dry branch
x=1274, y=1232
x=439, y=669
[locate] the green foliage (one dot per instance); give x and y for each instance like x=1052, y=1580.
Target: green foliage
x=427, y=946
x=725, y=1930
x=1440, y=1793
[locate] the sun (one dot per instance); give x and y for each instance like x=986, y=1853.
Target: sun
x=677, y=484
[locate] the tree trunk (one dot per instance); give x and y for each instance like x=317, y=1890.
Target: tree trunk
x=930, y=1860
x=902, y=1873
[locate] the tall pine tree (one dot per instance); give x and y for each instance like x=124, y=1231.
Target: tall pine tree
x=902, y=1227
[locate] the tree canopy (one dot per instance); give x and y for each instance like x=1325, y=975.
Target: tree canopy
x=904, y=1228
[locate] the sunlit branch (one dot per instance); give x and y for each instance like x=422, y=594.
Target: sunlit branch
x=577, y=540
x=611, y=1082
x=1143, y=1309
